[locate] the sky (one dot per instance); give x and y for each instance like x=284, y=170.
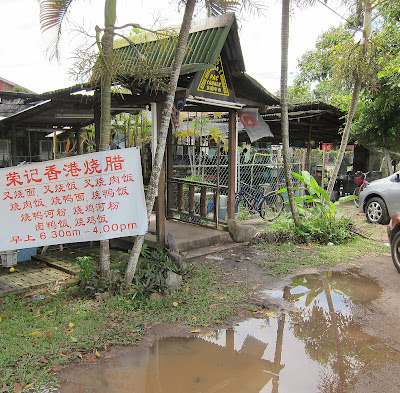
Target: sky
x=23, y=58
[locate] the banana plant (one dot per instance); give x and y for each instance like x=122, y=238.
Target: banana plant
x=315, y=199
x=136, y=129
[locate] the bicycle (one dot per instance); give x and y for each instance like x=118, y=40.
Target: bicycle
x=361, y=181
x=269, y=205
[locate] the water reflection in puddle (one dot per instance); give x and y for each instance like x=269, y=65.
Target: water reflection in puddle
x=344, y=289
x=319, y=349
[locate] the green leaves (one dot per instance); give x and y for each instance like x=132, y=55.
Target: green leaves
x=316, y=200
x=52, y=15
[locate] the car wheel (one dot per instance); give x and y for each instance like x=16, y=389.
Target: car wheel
x=376, y=211
x=395, y=247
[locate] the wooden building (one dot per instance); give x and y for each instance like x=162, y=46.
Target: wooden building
x=212, y=79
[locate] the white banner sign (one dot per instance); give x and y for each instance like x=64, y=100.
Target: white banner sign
x=82, y=198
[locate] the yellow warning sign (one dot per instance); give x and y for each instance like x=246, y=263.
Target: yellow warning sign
x=214, y=81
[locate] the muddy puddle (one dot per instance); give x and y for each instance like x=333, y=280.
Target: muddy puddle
x=317, y=348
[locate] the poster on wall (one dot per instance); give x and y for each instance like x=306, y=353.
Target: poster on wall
x=89, y=197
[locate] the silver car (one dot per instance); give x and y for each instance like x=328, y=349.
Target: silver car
x=380, y=199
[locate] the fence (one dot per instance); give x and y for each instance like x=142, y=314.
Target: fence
x=207, y=164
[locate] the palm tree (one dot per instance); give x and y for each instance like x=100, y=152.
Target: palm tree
x=52, y=15
x=284, y=110
x=53, y=12
x=105, y=99
x=352, y=65
x=356, y=59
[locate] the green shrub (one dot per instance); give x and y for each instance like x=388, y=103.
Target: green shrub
x=150, y=276
x=316, y=200
x=316, y=229
x=151, y=271
x=318, y=222
x=89, y=274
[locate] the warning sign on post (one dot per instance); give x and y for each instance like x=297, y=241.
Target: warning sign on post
x=82, y=198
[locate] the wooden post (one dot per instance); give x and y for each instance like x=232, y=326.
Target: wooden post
x=180, y=196
x=170, y=171
x=29, y=145
x=54, y=145
x=191, y=199
x=160, y=199
x=233, y=140
x=79, y=148
x=203, y=207
x=323, y=168
x=216, y=193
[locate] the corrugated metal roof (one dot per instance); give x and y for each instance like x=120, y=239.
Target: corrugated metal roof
x=12, y=102
x=205, y=43
x=247, y=88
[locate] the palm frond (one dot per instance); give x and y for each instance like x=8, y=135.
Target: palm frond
x=52, y=15
x=218, y=7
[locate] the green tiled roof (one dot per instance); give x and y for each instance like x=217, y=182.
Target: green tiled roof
x=205, y=43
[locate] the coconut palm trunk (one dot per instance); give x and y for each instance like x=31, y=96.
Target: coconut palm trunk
x=284, y=110
x=52, y=15
x=105, y=97
x=162, y=136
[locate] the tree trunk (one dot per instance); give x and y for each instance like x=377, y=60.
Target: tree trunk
x=162, y=136
x=388, y=161
x=284, y=111
x=354, y=98
x=345, y=135
x=105, y=121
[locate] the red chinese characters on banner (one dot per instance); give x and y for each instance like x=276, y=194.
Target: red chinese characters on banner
x=88, y=197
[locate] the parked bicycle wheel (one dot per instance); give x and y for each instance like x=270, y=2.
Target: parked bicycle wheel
x=356, y=192
x=271, y=206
